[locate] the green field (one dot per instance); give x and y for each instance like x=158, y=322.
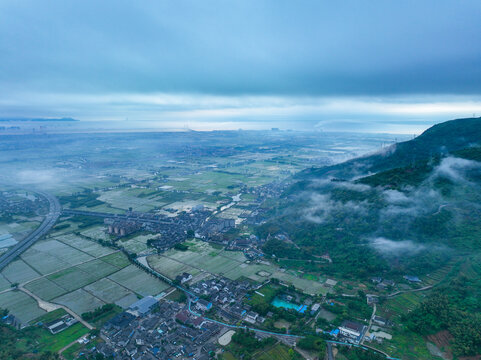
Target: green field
x=48, y=342
x=45, y=289
x=278, y=352
x=117, y=259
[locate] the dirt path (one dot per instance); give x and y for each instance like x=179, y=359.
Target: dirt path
x=48, y=306
x=406, y=291
x=67, y=346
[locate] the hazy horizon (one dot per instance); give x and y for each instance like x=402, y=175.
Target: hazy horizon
x=367, y=67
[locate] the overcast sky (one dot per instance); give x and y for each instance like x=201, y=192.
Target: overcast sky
x=396, y=66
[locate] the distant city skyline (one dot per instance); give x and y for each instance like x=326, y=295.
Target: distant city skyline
x=353, y=66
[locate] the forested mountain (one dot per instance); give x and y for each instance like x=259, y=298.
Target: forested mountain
x=442, y=138
x=411, y=207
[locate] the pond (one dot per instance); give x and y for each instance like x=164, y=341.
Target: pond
x=277, y=302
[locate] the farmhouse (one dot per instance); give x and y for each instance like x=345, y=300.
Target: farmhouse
x=182, y=279
x=251, y=317
x=352, y=330
x=412, y=278
x=61, y=324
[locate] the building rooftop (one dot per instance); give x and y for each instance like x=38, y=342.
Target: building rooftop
x=144, y=305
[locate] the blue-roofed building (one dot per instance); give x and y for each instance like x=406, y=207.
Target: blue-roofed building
x=412, y=278
x=334, y=333
x=143, y=306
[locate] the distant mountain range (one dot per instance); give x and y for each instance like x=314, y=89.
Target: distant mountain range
x=65, y=119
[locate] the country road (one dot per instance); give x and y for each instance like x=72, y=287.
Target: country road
x=45, y=226
x=49, y=306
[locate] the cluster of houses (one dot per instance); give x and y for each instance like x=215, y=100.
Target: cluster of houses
x=382, y=284
x=249, y=245
x=227, y=296
x=221, y=291
x=152, y=330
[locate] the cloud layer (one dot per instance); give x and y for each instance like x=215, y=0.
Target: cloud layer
x=336, y=65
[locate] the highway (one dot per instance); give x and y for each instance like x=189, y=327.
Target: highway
x=47, y=224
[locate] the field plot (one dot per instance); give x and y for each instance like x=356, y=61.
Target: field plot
x=117, y=259
x=4, y=283
x=137, y=244
x=98, y=268
x=211, y=262
x=231, y=264
x=169, y=267
x=45, y=289
x=403, y=303
x=126, y=198
x=138, y=281
x=278, y=352
x=234, y=255
x=126, y=301
x=79, y=301
x=307, y=286
x=43, y=263
x=18, y=271
x=21, y=305
x=87, y=246
x=52, y=255
x=73, y=278
x=19, y=229
x=96, y=232
x=107, y=290
x=250, y=271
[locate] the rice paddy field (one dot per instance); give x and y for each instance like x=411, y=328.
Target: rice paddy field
x=19, y=272
x=4, y=283
x=138, y=281
x=137, y=244
x=90, y=247
x=21, y=305
x=125, y=198
x=75, y=272
x=79, y=301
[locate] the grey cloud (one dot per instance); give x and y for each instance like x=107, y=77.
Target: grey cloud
x=396, y=248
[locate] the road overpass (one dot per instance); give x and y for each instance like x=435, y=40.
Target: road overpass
x=45, y=226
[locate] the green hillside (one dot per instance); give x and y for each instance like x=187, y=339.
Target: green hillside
x=447, y=137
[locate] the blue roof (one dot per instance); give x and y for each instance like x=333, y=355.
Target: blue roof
x=144, y=305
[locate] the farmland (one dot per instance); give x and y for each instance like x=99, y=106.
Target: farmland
x=203, y=257
x=75, y=272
